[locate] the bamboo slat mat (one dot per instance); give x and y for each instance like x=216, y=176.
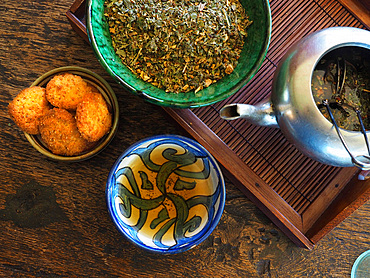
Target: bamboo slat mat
x=303, y=197
x=296, y=179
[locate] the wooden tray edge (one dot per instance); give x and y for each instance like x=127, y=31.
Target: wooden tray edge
x=75, y=22
x=354, y=195
x=358, y=9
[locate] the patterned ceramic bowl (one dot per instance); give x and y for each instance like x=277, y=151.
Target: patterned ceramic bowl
x=166, y=194
x=361, y=267
x=251, y=58
x=109, y=96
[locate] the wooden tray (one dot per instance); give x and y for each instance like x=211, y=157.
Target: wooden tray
x=360, y=9
x=304, y=198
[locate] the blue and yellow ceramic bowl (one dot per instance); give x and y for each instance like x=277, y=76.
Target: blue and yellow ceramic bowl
x=166, y=194
x=252, y=56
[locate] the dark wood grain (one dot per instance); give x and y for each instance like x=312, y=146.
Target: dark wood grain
x=53, y=217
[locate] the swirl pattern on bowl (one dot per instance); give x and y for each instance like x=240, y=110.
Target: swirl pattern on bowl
x=166, y=194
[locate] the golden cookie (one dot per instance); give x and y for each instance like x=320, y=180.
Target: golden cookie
x=59, y=132
x=93, y=117
x=66, y=90
x=27, y=107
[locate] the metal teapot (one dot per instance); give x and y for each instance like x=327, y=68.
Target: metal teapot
x=292, y=108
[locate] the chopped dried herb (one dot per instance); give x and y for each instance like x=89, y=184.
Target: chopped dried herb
x=178, y=45
x=343, y=77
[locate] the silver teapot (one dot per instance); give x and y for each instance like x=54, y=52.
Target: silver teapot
x=292, y=108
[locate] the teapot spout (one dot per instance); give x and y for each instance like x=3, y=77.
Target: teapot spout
x=260, y=114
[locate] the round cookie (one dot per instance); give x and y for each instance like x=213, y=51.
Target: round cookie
x=27, y=107
x=58, y=130
x=93, y=117
x=66, y=90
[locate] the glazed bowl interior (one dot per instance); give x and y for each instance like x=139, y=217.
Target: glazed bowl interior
x=109, y=96
x=251, y=58
x=165, y=194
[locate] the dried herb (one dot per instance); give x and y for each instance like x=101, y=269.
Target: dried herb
x=343, y=77
x=178, y=45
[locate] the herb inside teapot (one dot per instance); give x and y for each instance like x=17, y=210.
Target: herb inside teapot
x=343, y=78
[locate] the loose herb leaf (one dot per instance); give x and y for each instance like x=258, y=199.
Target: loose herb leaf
x=178, y=45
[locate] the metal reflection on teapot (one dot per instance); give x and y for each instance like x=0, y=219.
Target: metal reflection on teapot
x=293, y=108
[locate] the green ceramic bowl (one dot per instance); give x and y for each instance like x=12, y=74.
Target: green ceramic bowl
x=252, y=56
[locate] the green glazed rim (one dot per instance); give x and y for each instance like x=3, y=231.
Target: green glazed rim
x=252, y=56
x=108, y=94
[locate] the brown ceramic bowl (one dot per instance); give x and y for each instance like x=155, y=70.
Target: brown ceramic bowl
x=108, y=95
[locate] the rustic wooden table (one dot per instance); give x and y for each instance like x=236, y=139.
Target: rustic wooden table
x=53, y=216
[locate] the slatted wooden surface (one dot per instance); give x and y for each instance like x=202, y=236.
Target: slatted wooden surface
x=296, y=178
x=289, y=187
